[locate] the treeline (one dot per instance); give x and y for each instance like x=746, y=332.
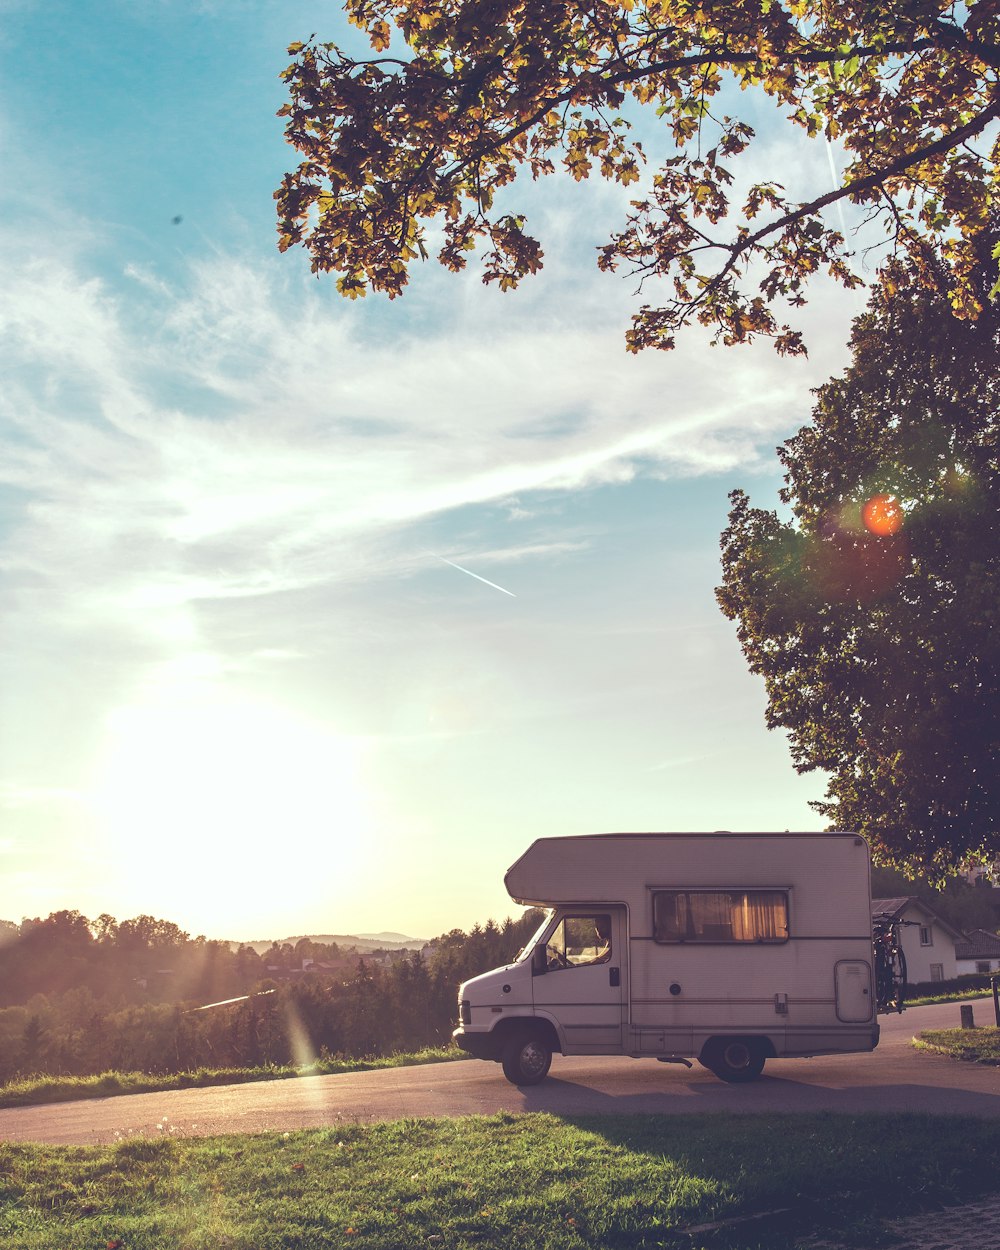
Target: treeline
x=139, y=960
x=80, y=998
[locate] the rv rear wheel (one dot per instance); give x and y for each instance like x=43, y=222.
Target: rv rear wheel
x=526, y=1057
x=734, y=1059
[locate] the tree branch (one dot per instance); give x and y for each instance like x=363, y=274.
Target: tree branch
x=860, y=187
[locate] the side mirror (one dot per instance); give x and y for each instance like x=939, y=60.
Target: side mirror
x=538, y=962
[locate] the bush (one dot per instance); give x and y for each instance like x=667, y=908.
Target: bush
x=964, y=984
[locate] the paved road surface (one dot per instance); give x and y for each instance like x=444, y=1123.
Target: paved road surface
x=896, y=1077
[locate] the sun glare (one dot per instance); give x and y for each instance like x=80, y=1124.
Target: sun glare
x=222, y=812
x=882, y=515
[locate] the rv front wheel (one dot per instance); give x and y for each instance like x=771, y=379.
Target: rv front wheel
x=525, y=1058
x=733, y=1059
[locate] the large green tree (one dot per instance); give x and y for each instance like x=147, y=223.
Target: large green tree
x=872, y=607
x=463, y=96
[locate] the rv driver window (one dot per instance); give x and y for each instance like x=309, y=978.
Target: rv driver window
x=579, y=941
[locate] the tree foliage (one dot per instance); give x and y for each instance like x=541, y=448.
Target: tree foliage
x=877, y=630
x=80, y=997
x=464, y=96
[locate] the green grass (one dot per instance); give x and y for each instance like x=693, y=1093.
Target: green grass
x=44, y=1089
x=531, y=1182
x=981, y=1045
x=953, y=996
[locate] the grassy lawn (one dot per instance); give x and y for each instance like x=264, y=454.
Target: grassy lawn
x=953, y=996
x=981, y=1045
x=531, y=1182
x=43, y=1089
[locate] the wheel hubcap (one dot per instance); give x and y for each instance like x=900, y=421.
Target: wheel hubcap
x=532, y=1059
x=737, y=1056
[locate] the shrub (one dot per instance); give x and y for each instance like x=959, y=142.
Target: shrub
x=957, y=985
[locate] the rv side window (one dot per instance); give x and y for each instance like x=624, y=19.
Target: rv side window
x=720, y=916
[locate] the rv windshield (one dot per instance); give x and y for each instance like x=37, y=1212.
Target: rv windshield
x=530, y=944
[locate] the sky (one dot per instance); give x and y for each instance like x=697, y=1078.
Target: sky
x=315, y=613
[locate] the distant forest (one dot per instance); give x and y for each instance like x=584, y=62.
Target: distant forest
x=81, y=997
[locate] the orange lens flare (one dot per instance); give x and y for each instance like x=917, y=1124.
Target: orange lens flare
x=883, y=515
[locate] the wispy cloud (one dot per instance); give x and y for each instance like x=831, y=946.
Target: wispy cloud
x=248, y=437
x=241, y=438
x=202, y=477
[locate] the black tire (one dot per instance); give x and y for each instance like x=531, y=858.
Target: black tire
x=526, y=1057
x=734, y=1059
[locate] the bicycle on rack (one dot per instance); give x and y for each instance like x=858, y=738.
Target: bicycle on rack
x=890, y=963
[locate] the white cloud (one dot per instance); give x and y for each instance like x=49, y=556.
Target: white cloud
x=219, y=440
x=248, y=436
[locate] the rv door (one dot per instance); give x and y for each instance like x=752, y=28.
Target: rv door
x=582, y=984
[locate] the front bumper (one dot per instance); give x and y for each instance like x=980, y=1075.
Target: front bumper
x=479, y=1045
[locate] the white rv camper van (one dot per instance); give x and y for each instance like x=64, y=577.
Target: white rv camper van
x=732, y=948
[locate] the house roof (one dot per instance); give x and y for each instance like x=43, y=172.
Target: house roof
x=895, y=909
x=891, y=907
x=979, y=944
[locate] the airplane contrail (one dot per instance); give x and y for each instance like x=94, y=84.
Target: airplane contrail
x=836, y=185
x=476, y=576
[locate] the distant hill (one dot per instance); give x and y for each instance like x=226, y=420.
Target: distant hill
x=359, y=941
x=388, y=936
x=384, y=941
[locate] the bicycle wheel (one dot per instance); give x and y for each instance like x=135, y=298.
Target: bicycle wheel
x=883, y=977
x=898, y=980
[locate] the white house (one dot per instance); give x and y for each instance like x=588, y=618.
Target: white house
x=979, y=952
x=928, y=940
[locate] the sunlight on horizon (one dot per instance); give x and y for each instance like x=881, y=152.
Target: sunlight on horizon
x=228, y=809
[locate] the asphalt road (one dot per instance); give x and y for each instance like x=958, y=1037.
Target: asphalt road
x=896, y=1077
